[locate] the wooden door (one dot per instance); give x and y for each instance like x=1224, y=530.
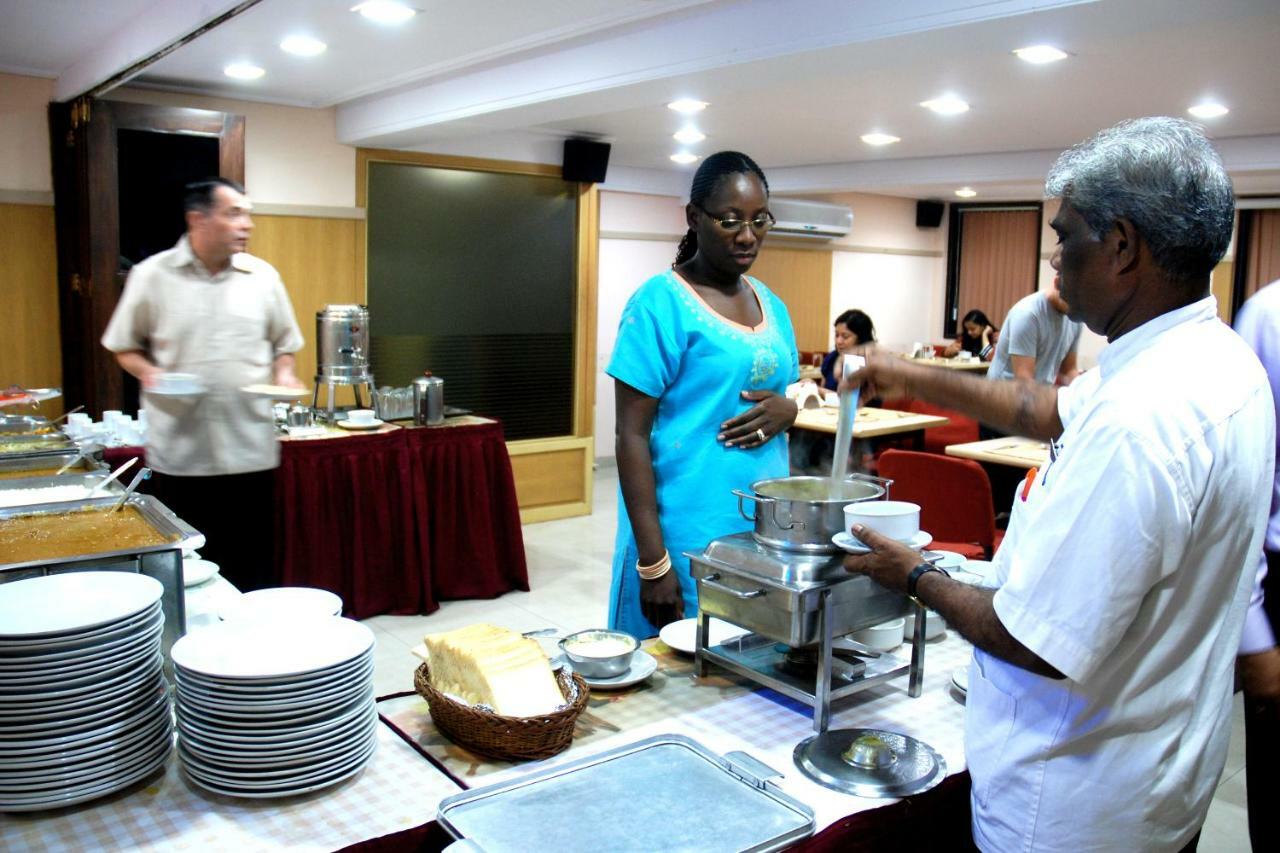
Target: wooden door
x=85, y=135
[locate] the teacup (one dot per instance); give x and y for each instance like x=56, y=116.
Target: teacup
x=898, y=520
x=360, y=416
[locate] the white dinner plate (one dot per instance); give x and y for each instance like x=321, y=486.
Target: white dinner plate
x=273, y=776
x=79, y=641
x=101, y=737
x=960, y=678
x=199, y=696
x=72, y=602
x=642, y=666
x=104, y=763
x=196, y=572
x=270, y=793
x=268, y=691
x=355, y=668
x=845, y=542
x=373, y=424
x=219, y=718
x=91, y=790
x=50, y=662
x=271, y=650
x=265, y=739
x=275, y=392
x=133, y=706
x=71, y=757
x=284, y=602
x=330, y=744
x=130, y=675
x=276, y=710
x=74, y=673
x=206, y=724
x=683, y=635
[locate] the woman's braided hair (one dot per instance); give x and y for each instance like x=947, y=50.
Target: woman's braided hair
x=714, y=168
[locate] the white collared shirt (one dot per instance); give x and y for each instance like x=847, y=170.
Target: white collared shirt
x=1128, y=569
x=227, y=328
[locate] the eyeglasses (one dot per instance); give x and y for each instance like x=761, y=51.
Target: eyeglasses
x=730, y=225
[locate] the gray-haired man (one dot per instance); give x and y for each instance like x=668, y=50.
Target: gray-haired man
x=1099, y=696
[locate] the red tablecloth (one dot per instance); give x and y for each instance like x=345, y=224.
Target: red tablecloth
x=396, y=521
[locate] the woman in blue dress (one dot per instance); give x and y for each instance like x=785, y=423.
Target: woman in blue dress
x=702, y=361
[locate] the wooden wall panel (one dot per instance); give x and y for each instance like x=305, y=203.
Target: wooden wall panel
x=30, y=352
x=1221, y=283
x=316, y=258
x=553, y=477
x=802, y=279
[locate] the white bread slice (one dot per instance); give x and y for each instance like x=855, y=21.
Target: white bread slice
x=487, y=665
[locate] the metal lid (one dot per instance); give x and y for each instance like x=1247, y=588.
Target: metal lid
x=870, y=762
x=343, y=311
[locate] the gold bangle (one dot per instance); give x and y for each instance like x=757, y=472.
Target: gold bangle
x=656, y=570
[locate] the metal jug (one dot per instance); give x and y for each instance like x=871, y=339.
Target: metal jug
x=428, y=400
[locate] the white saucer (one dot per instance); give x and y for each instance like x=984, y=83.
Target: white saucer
x=683, y=635
x=847, y=543
x=196, y=572
x=960, y=678
x=373, y=424
x=642, y=666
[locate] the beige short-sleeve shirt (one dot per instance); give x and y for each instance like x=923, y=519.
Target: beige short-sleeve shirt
x=227, y=329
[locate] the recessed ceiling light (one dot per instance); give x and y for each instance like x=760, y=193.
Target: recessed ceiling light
x=947, y=105
x=243, y=71
x=966, y=192
x=385, y=11
x=684, y=158
x=687, y=106
x=879, y=138
x=688, y=135
x=303, y=46
x=1209, y=109
x=1040, y=54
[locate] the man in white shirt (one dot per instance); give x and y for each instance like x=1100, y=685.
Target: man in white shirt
x=207, y=308
x=1098, y=711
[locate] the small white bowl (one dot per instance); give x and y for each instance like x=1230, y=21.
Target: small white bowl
x=360, y=416
x=884, y=637
x=933, y=627
x=898, y=520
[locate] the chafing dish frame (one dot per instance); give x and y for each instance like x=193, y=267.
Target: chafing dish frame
x=162, y=562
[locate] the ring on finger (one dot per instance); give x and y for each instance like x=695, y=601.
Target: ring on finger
x=760, y=435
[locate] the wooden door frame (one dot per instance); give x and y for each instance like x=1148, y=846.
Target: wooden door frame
x=955, y=213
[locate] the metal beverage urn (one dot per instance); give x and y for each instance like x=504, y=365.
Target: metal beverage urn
x=342, y=353
x=428, y=400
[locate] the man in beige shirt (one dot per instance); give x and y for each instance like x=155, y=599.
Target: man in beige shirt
x=207, y=308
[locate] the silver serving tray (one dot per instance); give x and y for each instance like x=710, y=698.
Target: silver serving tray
x=21, y=424
x=86, y=464
x=35, y=445
x=156, y=514
x=73, y=477
x=667, y=792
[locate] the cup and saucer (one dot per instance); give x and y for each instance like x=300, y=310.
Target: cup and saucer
x=176, y=385
x=642, y=666
x=360, y=419
x=898, y=520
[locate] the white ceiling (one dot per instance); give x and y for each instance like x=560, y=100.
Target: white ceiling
x=792, y=82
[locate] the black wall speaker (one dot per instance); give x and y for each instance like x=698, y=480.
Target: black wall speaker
x=929, y=214
x=585, y=160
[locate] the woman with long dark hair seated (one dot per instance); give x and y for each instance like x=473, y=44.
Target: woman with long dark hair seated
x=852, y=329
x=977, y=335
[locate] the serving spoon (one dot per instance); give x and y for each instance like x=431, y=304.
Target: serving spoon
x=144, y=474
x=114, y=475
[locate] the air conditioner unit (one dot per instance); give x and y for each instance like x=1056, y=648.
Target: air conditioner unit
x=812, y=219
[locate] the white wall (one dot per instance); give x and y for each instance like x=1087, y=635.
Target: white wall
x=24, y=134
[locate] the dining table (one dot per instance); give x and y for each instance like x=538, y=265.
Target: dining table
x=971, y=365
x=396, y=518
x=870, y=422
x=1012, y=450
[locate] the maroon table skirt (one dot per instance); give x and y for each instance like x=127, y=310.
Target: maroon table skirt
x=396, y=521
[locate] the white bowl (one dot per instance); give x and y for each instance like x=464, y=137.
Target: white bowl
x=898, y=520
x=884, y=637
x=933, y=627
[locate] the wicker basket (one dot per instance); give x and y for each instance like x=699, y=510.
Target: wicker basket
x=508, y=738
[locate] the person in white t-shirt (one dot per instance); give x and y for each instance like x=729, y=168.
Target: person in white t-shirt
x=1098, y=711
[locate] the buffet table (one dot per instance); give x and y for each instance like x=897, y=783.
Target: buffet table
x=395, y=520
x=725, y=713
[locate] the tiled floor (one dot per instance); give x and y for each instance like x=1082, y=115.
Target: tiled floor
x=569, y=574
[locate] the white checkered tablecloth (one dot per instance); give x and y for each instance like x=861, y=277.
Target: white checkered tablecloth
x=726, y=715
x=398, y=789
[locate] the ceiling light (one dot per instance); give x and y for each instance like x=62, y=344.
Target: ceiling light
x=688, y=135
x=303, y=46
x=879, y=138
x=243, y=71
x=385, y=11
x=1209, y=109
x=966, y=192
x=687, y=106
x=1040, y=54
x=947, y=105
x=684, y=158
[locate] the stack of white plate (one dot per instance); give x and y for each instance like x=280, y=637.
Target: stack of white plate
x=282, y=602
x=84, y=707
x=275, y=709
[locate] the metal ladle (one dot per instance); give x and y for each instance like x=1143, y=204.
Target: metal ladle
x=144, y=474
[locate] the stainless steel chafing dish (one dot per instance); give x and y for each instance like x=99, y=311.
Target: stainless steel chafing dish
x=162, y=562
x=22, y=424
x=45, y=444
x=14, y=466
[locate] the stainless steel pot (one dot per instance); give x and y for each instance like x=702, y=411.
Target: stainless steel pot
x=342, y=344
x=800, y=513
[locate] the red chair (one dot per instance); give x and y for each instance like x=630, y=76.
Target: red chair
x=954, y=497
x=958, y=430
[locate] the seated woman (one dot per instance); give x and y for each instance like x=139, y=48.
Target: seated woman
x=853, y=328
x=977, y=335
